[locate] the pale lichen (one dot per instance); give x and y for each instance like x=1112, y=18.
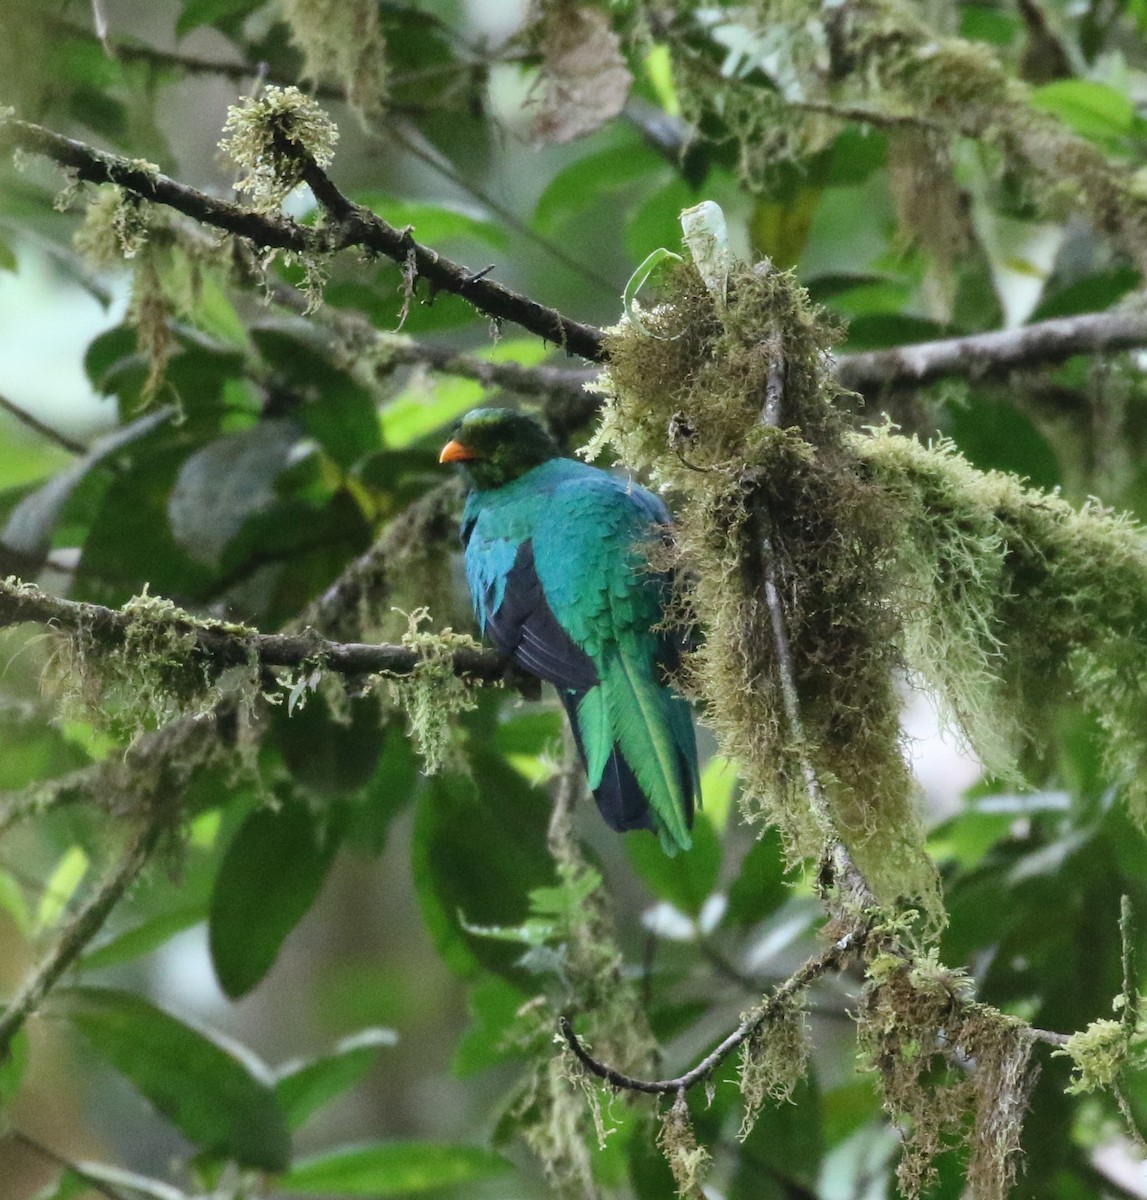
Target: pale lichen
x=342, y=40
x=688, y=1161
x=433, y=694
x=271, y=137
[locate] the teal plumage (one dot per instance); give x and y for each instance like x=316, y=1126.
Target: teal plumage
x=556, y=560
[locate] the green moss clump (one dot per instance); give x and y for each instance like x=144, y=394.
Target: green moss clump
x=1014, y=603
x=267, y=137
x=786, y=497
x=953, y=1073
x=433, y=694
x=773, y=1061
x=156, y=674
x=688, y=1161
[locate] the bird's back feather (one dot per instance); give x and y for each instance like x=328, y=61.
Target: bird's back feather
x=558, y=572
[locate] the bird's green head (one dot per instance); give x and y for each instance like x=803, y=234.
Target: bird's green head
x=496, y=445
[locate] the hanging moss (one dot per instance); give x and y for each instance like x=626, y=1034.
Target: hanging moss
x=1014, y=603
x=342, y=40
x=773, y=1061
x=879, y=62
x=432, y=695
x=688, y=1161
x=156, y=674
x=953, y=1073
x=786, y=497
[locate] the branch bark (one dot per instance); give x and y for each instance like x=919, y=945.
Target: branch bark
x=995, y=353
x=82, y=927
x=768, y=1010
x=351, y=226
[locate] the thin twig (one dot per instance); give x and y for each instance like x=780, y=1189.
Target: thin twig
x=82, y=927
x=53, y=435
x=97, y=1185
x=772, y=1007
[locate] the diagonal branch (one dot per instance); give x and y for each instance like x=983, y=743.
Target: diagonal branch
x=83, y=926
x=352, y=226
x=772, y=1007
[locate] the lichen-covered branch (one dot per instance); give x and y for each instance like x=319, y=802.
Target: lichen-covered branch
x=756, y=1021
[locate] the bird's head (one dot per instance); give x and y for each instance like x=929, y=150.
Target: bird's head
x=494, y=446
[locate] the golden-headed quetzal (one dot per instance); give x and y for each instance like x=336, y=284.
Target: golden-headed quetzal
x=558, y=573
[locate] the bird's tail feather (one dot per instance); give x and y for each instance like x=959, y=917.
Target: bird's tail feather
x=619, y=797
x=638, y=744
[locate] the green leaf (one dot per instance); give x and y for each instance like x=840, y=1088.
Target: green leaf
x=785, y=1147
x=142, y=939
x=61, y=885
x=329, y=756
x=268, y=879
x=638, y=280
x=686, y=881
x=995, y=435
x=759, y=888
x=494, y=1005
x=435, y=223
x=462, y=828
x=391, y=1169
x=577, y=186
x=303, y=1088
x=1092, y=109
x=221, y=1101
x=12, y=1068
x=29, y=527
x=229, y=480
x=213, y=12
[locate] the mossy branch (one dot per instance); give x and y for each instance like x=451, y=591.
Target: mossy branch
x=221, y=644
x=976, y=355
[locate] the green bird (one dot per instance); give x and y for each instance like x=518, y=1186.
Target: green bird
x=556, y=557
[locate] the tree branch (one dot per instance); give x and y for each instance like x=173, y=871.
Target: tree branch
x=994, y=353
x=768, y=1010
x=46, y=431
x=352, y=226
x=226, y=645
x=84, y=925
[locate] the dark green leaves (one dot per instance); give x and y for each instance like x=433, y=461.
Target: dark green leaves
x=391, y=1169
x=303, y=1088
x=269, y=877
x=479, y=849
x=221, y=1102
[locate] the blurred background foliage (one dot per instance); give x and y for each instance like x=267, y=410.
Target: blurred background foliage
x=303, y=969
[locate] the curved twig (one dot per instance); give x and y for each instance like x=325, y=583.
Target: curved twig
x=768, y=1010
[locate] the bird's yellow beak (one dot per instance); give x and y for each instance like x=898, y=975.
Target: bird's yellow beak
x=455, y=452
